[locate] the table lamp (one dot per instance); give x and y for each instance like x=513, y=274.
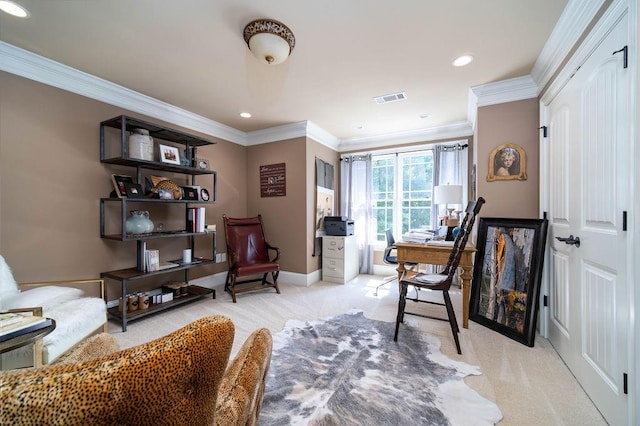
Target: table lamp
x=448, y=194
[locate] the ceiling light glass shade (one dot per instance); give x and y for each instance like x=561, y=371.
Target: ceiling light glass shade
x=14, y=9
x=269, y=41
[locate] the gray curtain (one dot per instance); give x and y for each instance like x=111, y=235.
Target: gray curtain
x=450, y=166
x=356, y=182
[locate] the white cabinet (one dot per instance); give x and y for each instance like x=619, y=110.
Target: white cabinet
x=340, y=259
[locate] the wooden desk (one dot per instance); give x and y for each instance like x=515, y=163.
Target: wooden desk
x=439, y=255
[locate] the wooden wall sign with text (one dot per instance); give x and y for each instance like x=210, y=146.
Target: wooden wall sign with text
x=273, y=181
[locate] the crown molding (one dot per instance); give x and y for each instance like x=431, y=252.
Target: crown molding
x=616, y=11
x=450, y=131
x=513, y=89
x=277, y=133
x=322, y=136
x=34, y=67
x=575, y=18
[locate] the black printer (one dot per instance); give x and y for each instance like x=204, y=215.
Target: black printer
x=338, y=226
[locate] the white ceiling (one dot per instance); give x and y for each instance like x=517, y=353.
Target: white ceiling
x=191, y=54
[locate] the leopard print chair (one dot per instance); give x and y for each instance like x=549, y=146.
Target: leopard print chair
x=182, y=378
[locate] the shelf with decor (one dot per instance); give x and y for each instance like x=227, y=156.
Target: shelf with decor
x=134, y=143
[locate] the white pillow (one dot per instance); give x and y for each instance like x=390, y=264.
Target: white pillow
x=47, y=296
x=8, y=285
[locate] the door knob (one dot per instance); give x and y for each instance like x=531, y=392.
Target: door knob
x=570, y=241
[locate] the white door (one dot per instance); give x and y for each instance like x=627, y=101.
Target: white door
x=589, y=172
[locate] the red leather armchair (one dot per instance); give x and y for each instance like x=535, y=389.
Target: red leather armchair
x=248, y=256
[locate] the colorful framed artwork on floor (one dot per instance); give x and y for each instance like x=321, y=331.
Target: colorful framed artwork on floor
x=507, y=275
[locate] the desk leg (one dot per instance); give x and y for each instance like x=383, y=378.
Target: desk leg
x=466, y=292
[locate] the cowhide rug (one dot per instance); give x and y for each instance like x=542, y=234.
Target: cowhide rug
x=347, y=370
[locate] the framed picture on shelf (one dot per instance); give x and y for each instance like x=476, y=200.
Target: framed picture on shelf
x=165, y=194
x=506, y=276
x=169, y=154
x=201, y=163
x=119, y=184
x=191, y=192
x=133, y=190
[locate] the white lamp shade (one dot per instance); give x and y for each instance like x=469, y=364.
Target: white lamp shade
x=447, y=194
x=269, y=48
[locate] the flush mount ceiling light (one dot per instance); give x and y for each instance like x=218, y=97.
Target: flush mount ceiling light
x=463, y=60
x=245, y=114
x=269, y=41
x=14, y=9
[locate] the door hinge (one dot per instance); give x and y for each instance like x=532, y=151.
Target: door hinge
x=625, y=383
x=624, y=220
x=545, y=300
x=544, y=131
x=625, y=56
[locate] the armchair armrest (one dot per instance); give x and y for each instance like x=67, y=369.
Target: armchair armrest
x=35, y=311
x=73, y=283
x=276, y=249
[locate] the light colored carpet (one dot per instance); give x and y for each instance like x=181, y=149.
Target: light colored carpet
x=344, y=370
x=532, y=386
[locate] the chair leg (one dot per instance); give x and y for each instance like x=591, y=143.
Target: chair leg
x=386, y=281
x=232, y=288
x=402, y=302
x=227, y=281
x=274, y=275
x=452, y=320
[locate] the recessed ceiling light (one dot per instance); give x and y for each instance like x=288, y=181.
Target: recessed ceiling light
x=14, y=9
x=424, y=116
x=245, y=115
x=463, y=60
x=359, y=127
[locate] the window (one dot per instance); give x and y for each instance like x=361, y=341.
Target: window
x=402, y=188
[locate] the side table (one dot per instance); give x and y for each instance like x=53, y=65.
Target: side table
x=30, y=338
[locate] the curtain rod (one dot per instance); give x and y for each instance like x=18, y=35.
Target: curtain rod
x=455, y=147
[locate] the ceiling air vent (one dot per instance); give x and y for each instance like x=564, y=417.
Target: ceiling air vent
x=385, y=99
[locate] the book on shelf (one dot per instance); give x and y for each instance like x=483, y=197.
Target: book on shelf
x=190, y=219
x=152, y=260
x=196, y=219
x=27, y=324
x=200, y=221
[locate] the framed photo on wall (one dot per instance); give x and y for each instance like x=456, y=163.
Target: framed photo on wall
x=507, y=162
x=506, y=276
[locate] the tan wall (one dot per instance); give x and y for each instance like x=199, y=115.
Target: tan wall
x=284, y=217
x=289, y=220
x=513, y=122
x=51, y=180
